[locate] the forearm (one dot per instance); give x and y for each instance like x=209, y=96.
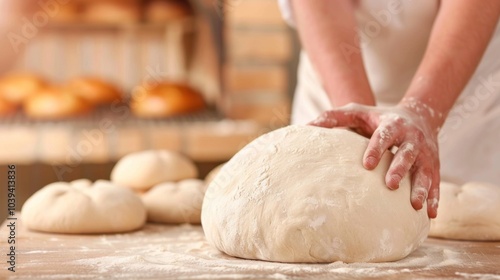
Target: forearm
x=11, y=13
x=459, y=38
x=327, y=31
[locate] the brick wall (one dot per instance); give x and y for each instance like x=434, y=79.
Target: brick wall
x=258, y=68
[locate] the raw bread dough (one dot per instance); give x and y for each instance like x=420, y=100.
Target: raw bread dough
x=468, y=212
x=143, y=170
x=301, y=194
x=83, y=207
x=175, y=203
x=211, y=175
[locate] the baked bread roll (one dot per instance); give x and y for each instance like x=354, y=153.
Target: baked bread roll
x=55, y=103
x=15, y=88
x=68, y=13
x=6, y=108
x=112, y=11
x=166, y=100
x=94, y=90
x=160, y=11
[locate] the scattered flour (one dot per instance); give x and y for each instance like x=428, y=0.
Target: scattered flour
x=478, y=276
x=182, y=252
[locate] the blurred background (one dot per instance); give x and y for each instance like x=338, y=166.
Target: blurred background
x=85, y=82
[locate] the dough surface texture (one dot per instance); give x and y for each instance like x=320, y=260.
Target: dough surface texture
x=301, y=194
x=468, y=212
x=81, y=207
x=142, y=170
x=175, y=203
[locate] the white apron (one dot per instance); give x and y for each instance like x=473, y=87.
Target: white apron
x=393, y=43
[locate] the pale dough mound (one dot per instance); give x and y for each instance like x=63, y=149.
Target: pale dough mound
x=83, y=207
x=175, y=203
x=301, y=194
x=468, y=212
x=211, y=175
x=141, y=171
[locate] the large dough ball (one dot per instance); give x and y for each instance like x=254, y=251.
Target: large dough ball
x=468, y=212
x=301, y=194
x=175, y=203
x=142, y=170
x=83, y=207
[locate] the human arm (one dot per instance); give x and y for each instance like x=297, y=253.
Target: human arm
x=11, y=14
x=327, y=30
x=460, y=35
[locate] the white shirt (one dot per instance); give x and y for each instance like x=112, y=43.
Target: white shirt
x=394, y=35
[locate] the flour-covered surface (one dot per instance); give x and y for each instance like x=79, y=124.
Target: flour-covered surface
x=181, y=252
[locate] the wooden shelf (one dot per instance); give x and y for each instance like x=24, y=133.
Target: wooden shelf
x=106, y=137
x=186, y=24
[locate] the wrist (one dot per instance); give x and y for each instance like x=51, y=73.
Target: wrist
x=345, y=92
x=425, y=110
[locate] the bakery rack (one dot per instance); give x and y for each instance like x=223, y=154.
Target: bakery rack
x=106, y=136
x=126, y=54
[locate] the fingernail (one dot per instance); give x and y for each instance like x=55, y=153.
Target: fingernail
x=395, y=179
x=370, y=161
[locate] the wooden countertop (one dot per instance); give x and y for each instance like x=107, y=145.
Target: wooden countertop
x=173, y=252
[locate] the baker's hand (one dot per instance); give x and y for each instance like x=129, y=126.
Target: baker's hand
x=406, y=127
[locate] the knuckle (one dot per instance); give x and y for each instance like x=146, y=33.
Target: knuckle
x=434, y=193
x=399, y=121
x=400, y=170
x=383, y=134
x=326, y=114
x=419, y=137
x=373, y=152
x=419, y=193
x=408, y=152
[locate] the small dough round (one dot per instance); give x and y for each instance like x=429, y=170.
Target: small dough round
x=142, y=170
x=81, y=207
x=94, y=90
x=175, y=203
x=468, y=212
x=211, y=175
x=301, y=194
